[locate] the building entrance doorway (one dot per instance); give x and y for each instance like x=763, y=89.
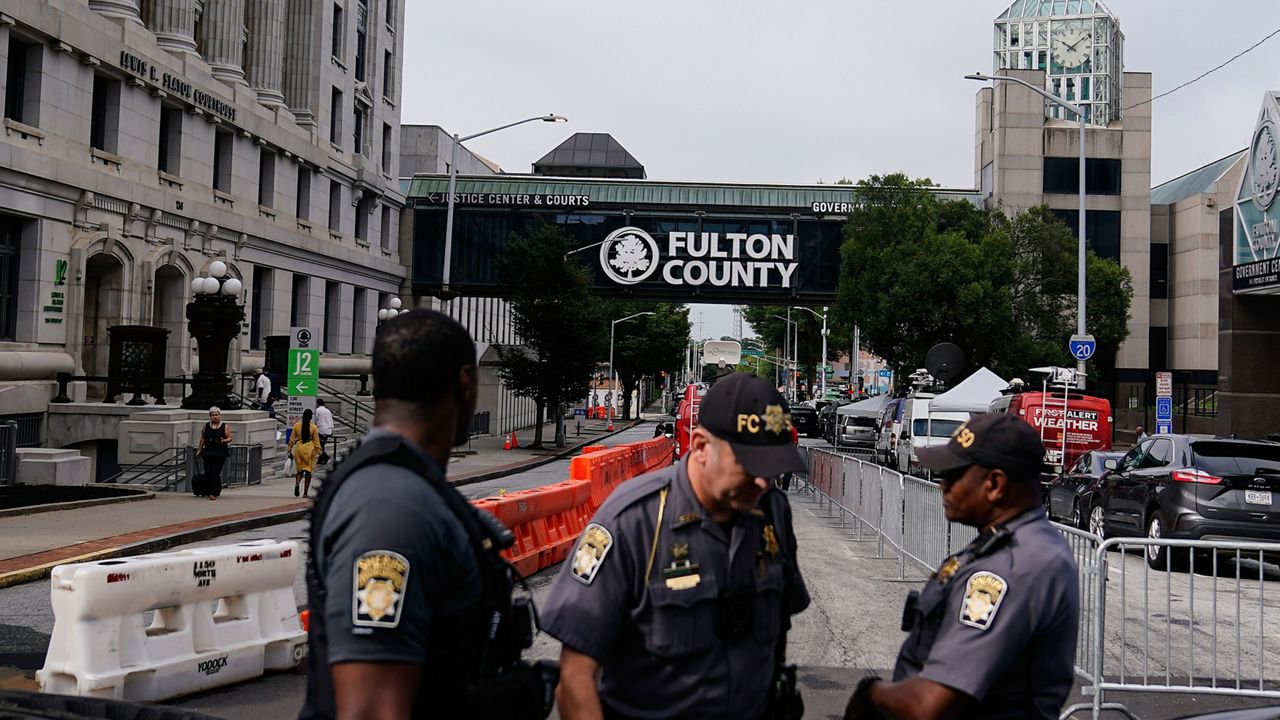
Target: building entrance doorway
x=167, y=311
x=103, y=307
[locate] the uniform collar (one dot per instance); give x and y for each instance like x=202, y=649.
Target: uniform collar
x=686, y=509
x=411, y=445
x=1031, y=515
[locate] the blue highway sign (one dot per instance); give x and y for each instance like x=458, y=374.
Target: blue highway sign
x=1081, y=346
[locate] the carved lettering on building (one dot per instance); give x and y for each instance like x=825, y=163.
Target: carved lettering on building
x=176, y=85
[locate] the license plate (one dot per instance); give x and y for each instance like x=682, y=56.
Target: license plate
x=1257, y=497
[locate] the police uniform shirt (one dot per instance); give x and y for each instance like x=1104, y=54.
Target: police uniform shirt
x=1001, y=628
x=399, y=565
x=700, y=639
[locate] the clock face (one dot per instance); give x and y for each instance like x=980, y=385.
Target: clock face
x=1072, y=44
x=1266, y=172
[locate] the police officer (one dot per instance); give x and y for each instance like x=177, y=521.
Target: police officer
x=993, y=633
x=677, y=598
x=403, y=579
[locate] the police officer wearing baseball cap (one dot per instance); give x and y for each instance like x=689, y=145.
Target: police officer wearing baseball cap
x=993, y=632
x=678, y=595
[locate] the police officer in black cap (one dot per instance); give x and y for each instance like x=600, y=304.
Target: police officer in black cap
x=678, y=596
x=993, y=633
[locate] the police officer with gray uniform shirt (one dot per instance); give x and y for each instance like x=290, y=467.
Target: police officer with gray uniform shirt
x=677, y=598
x=993, y=632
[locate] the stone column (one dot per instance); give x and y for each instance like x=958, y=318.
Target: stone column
x=264, y=61
x=302, y=59
x=173, y=22
x=119, y=9
x=222, y=30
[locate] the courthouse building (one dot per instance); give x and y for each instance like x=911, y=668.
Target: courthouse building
x=144, y=139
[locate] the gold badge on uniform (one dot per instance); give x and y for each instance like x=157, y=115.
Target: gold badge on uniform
x=592, y=548
x=948, y=569
x=770, y=541
x=681, y=575
x=982, y=598
x=680, y=551
x=378, y=580
x=688, y=518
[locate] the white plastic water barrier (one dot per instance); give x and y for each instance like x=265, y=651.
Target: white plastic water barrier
x=219, y=615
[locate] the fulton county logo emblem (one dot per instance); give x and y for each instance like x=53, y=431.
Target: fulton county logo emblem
x=629, y=255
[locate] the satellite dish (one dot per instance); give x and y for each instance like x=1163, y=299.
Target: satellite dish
x=944, y=361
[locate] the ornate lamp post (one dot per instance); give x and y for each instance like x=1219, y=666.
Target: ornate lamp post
x=214, y=318
x=392, y=310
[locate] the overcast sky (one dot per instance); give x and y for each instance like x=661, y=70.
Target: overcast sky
x=800, y=91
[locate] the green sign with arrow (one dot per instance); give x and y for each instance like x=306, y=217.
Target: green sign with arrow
x=304, y=371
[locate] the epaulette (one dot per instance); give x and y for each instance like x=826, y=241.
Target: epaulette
x=636, y=490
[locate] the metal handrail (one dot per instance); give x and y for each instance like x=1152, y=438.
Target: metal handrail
x=169, y=467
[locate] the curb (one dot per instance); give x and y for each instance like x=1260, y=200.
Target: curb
x=74, y=504
x=159, y=544
x=567, y=452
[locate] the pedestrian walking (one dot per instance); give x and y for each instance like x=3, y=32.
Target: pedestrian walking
x=262, y=386
x=993, y=632
x=1141, y=435
x=412, y=613
x=324, y=425
x=304, y=448
x=215, y=439
x=270, y=406
x=677, y=599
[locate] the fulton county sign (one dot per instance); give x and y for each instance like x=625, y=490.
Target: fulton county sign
x=1257, y=225
x=630, y=255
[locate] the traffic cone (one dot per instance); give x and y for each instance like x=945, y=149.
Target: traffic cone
x=515, y=440
x=506, y=444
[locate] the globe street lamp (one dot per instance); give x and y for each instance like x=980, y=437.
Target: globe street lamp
x=822, y=365
x=613, y=381
x=213, y=319
x=1080, y=273
x=453, y=177
x=391, y=310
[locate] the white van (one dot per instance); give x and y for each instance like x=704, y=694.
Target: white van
x=920, y=429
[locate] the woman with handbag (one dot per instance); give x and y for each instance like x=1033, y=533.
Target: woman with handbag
x=215, y=438
x=304, y=447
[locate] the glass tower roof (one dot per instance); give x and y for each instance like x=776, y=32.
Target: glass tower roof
x=1053, y=8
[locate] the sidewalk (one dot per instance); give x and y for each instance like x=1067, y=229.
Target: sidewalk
x=30, y=545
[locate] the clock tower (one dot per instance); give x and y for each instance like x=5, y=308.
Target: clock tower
x=1076, y=43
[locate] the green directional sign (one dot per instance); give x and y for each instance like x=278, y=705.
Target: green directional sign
x=304, y=371
x=752, y=352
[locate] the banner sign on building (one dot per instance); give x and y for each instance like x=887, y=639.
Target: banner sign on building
x=1257, y=223
x=1164, y=403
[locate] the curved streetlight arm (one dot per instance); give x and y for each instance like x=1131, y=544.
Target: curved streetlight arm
x=614, y=324
x=544, y=118
x=584, y=247
x=1079, y=111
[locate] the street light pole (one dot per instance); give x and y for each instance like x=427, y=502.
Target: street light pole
x=613, y=381
x=1080, y=251
x=822, y=373
x=786, y=340
x=453, y=179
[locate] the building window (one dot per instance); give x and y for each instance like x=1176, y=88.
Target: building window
x=387, y=240
x=335, y=118
x=386, y=149
x=104, y=126
x=362, y=21
x=223, y=147
x=332, y=306
x=339, y=30
x=22, y=88
x=261, y=305
x=170, y=156
x=363, y=209
x=10, y=259
x=303, y=208
x=1158, y=347
x=1102, y=230
x=300, y=301
x=1062, y=176
x=391, y=13
x=358, y=120
x=1159, y=272
x=388, y=74
x=266, y=178
x=359, y=332
x=335, y=206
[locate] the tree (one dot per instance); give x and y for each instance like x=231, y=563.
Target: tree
x=556, y=317
x=648, y=345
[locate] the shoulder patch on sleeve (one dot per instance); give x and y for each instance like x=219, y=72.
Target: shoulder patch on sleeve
x=378, y=582
x=982, y=597
x=592, y=548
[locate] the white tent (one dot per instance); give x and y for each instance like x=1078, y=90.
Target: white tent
x=871, y=407
x=974, y=395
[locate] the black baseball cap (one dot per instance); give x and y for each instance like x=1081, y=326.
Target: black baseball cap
x=990, y=440
x=751, y=415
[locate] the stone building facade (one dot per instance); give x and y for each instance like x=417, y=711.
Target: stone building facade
x=144, y=139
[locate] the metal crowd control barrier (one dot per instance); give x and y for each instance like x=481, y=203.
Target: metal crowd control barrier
x=1197, y=622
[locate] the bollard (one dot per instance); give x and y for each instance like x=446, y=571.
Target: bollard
x=219, y=615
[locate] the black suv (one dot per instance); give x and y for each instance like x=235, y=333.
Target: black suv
x=1178, y=486
x=805, y=418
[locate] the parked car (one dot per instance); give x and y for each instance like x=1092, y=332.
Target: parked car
x=1183, y=487
x=1071, y=494
x=857, y=432
x=805, y=419
x=921, y=428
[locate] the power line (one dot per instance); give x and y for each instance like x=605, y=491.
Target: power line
x=1207, y=73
